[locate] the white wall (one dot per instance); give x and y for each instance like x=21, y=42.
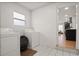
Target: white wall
x=0, y=27
x=44, y=21
x=77, y=21
x=7, y=10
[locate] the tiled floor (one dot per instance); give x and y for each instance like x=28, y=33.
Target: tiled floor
x=44, y=51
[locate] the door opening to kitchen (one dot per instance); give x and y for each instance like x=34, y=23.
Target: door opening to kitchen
x=67, y=27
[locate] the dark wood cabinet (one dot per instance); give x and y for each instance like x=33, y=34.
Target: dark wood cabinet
x=70, y=34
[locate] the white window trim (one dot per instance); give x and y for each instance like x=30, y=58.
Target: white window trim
x=15, y=18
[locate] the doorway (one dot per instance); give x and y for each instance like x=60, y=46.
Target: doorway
x=66, y=24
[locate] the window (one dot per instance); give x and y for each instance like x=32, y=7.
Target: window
x=19, y=19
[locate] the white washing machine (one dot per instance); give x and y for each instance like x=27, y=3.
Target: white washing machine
x=34, y=39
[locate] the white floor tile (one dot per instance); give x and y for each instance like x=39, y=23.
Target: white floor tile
x=45, y=51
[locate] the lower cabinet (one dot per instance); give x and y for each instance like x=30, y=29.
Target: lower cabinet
x=10, y=46
x=71, y=34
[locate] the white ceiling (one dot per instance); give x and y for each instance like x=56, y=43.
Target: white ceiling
x=33, y=5
x=71, y=12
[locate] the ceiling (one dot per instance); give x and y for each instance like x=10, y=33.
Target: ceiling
x=33, y=5
x=65, y=14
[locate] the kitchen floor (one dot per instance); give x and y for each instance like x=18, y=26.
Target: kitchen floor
x=62, y=42
x=45, y=51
